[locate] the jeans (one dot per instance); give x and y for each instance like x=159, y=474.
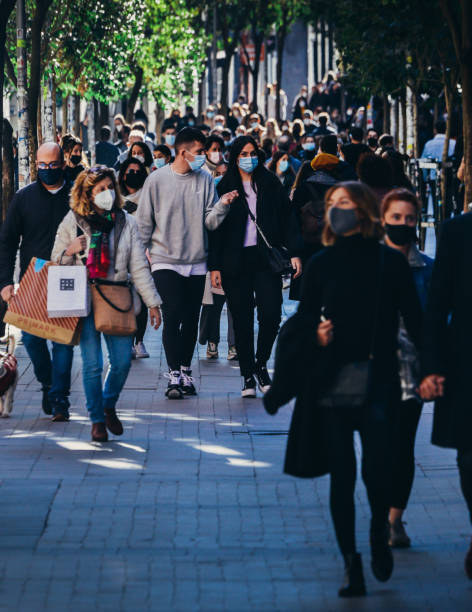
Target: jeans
x=51, y=373
x=119, y=357
x=210, y=322
x=374, y=423
x=181, y=302
x=254, y=285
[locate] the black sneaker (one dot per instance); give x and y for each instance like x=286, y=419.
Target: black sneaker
x=187, y=381
x=174, y=390
x=46, y=404
x=264, y=381
x=382, y=557
x=249, y=388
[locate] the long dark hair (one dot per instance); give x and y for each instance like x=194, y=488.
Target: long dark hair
x=124, y=166
x=232, y=178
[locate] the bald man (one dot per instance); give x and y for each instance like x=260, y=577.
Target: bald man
x=33, y=217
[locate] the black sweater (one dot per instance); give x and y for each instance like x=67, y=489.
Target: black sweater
x=33, y=217
x=343, y=280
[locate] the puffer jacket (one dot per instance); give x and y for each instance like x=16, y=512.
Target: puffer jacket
x=128, y=252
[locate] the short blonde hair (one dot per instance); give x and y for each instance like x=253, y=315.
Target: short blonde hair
x=368, y=209
x=81, y=195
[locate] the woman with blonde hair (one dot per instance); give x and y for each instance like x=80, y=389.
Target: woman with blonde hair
x=353, y=294
x=100, y=234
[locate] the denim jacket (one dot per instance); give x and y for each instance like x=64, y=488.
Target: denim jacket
x=422, y=267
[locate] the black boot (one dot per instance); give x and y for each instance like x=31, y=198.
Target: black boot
x=382, y=557
x=354, y=585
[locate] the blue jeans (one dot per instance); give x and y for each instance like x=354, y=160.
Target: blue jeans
x=53, y=373
x=119, y=356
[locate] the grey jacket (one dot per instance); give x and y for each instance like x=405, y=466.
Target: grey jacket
x=175, y=211
x=127, y=254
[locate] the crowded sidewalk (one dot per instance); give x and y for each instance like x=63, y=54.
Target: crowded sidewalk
x=189, y=509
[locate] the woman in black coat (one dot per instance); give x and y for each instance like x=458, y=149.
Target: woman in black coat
x=353, y=294
x=447, y=354
x=238, y=257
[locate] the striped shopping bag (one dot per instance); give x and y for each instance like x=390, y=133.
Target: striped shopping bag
x=28, y=311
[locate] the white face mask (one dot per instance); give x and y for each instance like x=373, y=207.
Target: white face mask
x=214, y=157
x=140, y=157
x=105, y=199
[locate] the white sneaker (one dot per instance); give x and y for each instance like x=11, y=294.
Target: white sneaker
x=140, y=351
x=174, y=389
x=133, y=352
x=212, y=350
x=249, y=387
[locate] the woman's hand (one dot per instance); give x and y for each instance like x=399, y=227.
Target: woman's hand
x=324, y=333
x=77, y=245
x=215, y=279
x=432, y=387
x=227, y=198
x=297, y=266
x=155, y=317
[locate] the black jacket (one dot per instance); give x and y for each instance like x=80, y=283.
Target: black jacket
x=275, y=216
x=343, y=280
x=447, y=338
x=33, y=216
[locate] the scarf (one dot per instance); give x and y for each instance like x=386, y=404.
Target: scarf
x=98, y=260
x=324, y=161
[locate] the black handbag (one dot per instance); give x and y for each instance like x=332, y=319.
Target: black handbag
x=278, y=257
x=351, y=385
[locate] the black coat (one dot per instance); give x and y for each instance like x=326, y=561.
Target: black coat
x=343, y=280
x=447, y=340
x=33, y=217
x=275, y=216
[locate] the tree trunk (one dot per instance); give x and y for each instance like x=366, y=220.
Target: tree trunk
x=281, y=34
x=70, y=114
x=229, y=50
x=96, y=119
x=6, y=8
x=48, y=114
x=54, y=109
x=445, y=152
x=40, y=118
x=42, y=7
x=133, y=98
x=104, y=115
x=65, y=104
x=258, y=40
x=91, y=131
x=466, y=73
x=8, y=171
x=410, y=123
x=201, y=95
x=159, y=116
x=385, y=115
x=24, y=132
x=77, y=115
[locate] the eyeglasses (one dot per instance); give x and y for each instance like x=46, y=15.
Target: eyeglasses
x=51, y=166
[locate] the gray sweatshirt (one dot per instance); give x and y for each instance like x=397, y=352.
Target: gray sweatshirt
x=174, y=213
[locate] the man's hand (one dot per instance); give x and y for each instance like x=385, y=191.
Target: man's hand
x=324, y=333
x=77, y=245
x=432, y=387
x=155, y=317
x=215, y=278
x=7, y=293
x=297, y=266
x=227, y=198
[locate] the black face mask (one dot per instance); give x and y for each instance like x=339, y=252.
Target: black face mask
x=75, y=159
x=135, y=181
x=50, y=176
x=401, y=235
x=372, y=142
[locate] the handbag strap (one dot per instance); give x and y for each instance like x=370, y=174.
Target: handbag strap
x=253, y=218
x=115, y=284
x=377, y=299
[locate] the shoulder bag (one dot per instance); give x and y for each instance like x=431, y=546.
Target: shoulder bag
x=352, y=382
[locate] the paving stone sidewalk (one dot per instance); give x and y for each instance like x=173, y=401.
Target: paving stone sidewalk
x=189, y=509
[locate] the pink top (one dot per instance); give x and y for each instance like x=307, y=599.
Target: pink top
x=251, y=231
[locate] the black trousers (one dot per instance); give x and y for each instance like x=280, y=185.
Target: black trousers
x=406, y=419
x=254, y=285
x=141, y=322
x=464, y=462
x=374, y=423
x=181, y=302
x=210, y=321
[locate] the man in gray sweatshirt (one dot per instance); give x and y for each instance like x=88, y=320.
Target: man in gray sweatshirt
x=178, y=205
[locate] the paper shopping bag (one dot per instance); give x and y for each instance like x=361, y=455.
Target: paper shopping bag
x=68, y=291
x=27, y=310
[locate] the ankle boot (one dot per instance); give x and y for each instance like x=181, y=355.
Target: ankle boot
x=382, y=557
x=468, y=562
x=354, y=585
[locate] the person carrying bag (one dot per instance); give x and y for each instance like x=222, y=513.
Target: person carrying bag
x=103, y=237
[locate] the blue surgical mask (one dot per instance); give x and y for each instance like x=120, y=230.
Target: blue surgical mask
x=217, y=179
x=170, y=139
x=50, y=176
x=254, y=124
x=210, y=114
x=248, y=164
x=197, y=162
x=283, y=165
x=159, y=162
x=308, y=146
x=191, y=122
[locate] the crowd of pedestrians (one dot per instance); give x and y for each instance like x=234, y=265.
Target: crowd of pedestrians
x=220, y=210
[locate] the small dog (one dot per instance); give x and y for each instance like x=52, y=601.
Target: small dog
x=8, y=377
